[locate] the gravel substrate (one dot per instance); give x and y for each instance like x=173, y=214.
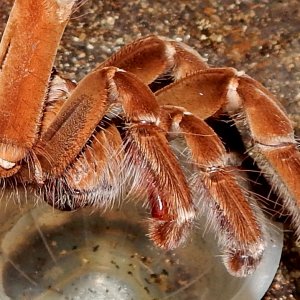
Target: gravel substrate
x=259, y=37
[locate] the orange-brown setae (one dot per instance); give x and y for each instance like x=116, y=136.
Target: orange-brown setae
x=93, y=143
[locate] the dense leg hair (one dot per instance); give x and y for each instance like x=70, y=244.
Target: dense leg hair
x=26, y=60
x=230, y=205
x=156, y=170
x=268, y=135
x=264, y=126
x=219, y=192
x=94, y=143
x=95, y=176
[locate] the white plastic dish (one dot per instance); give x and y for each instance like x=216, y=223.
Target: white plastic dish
x=47, y=254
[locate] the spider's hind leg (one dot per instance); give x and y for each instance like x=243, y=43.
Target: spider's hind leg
x=219, y=192
x=269, y=137
x=264, y=126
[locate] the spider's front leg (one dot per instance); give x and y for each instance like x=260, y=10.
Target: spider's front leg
x=27, y=52
x=66, y=146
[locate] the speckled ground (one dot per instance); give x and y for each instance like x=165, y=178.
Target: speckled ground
x=260, y=37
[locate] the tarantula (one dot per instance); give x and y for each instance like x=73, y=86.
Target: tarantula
x=92, y=143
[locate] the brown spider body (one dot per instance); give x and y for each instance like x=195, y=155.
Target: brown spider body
x=112, y=129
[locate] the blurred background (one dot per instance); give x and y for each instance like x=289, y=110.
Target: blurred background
x=260, y=37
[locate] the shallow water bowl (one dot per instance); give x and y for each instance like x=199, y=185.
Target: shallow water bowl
x=47, y=254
